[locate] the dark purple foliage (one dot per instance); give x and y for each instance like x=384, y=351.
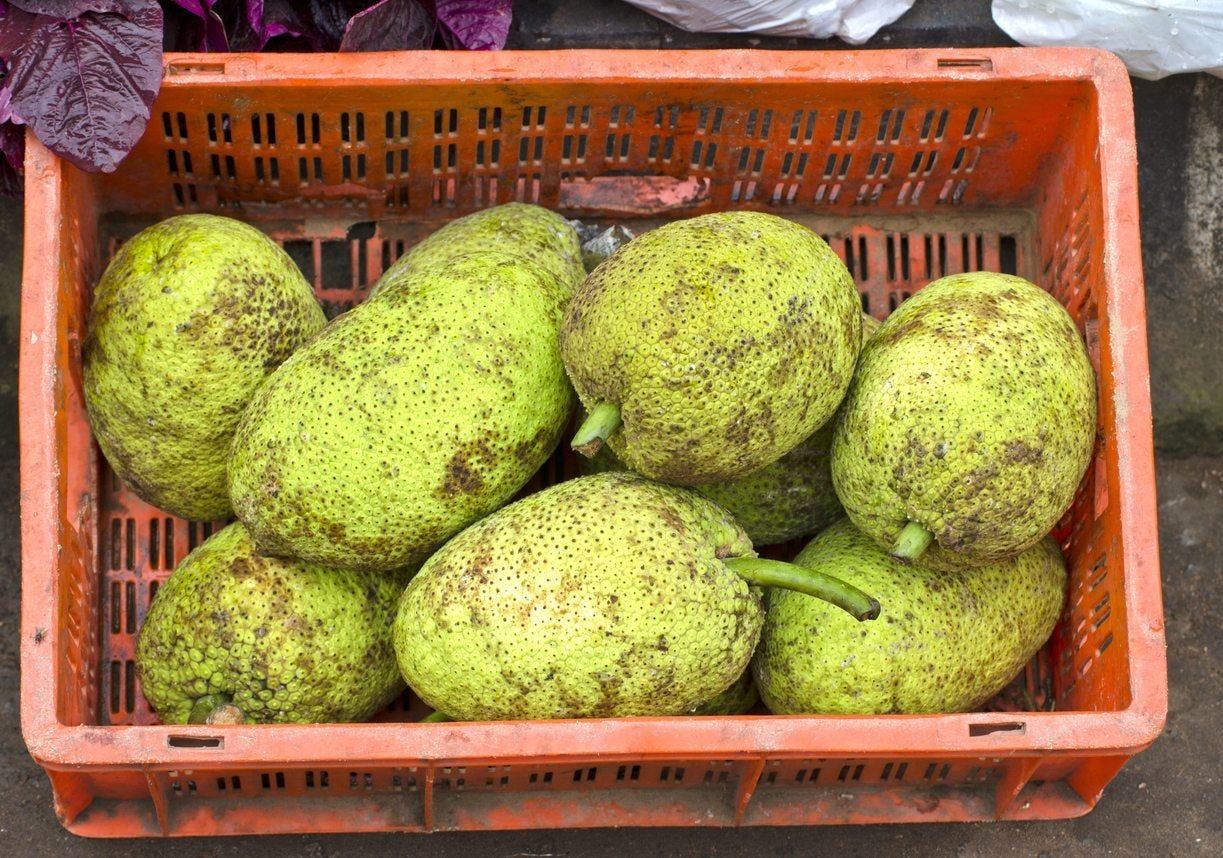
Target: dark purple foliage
x=198, y=8
x=318, y=23
x=206, y=31
x=477, y=25
x=390, y=25
x=69, y=9
x=85, y=85
x=12, y=142
x=82, y=74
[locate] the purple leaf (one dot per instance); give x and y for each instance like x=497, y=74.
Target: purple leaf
x=198, y=8
x=478, y=25
x=12, y=143
x=85, y=86
x=67, y=10
x=320, y=23
x=389, y=25
x=215, y=38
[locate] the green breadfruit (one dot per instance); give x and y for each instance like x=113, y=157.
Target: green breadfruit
x=945, y=641
x=235, y=636
x=189, y=318
x=542, y=237
x=970, y=421
x=410, y=417
x=739, y=699
x=708, y=348
x=783, y=500
x=602, y=596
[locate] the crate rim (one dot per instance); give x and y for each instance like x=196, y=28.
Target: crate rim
x=1124, y=731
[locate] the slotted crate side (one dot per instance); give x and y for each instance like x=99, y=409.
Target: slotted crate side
x=437, y=150
x=475, y=796
x=1089, y=653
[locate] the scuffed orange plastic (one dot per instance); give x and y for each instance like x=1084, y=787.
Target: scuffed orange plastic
x=913, y=163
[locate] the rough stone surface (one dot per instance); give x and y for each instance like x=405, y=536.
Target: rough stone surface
x=1180, y=179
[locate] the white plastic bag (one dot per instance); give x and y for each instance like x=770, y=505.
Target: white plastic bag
x=855, y=21
x=1154, y=38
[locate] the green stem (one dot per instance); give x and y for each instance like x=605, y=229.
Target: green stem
x=215, y=709
x=913, y=540
x=436, y=718
x=789, y=576
x=603, y=420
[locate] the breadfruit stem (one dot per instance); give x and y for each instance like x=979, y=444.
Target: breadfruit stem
x=913, y=540
x=215, y=709
x=789, y=576
x=603, y=420
x=436, y=718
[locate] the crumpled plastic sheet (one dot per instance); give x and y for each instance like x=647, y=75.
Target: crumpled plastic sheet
x=855, y=21
x=598, y=244
x=1154, y=38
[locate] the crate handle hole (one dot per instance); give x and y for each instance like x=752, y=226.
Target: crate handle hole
x=984, y=63
x=1003, y=727
x=176, y=67
x=195, y=742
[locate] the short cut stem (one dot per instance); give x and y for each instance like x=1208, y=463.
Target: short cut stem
x=436, y=718
x=912, y=542
x=215, y=709
x=603, y=420
x=800, y=579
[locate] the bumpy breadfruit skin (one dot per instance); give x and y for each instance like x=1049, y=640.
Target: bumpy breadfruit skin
x=288, y=641
x=739, y=699
x=973, y=413
x=189, y=318
x=602, y=596
x=946, y=641
x=543, y=237
x=725, y=340
x=407, y=419
x=783, y=500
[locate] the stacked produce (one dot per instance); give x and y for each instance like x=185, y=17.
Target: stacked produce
x=732, y=396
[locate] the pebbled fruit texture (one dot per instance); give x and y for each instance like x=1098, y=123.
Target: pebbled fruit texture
x=739, y=699
x=601, y=596
x=540, y=236
x=725, y=340
x=407, y=419
x=973, y=413
x=189, y=318
x=288, y=641
x=783, y=500
x=945, y=641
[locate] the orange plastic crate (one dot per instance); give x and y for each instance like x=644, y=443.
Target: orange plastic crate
x=914, y=164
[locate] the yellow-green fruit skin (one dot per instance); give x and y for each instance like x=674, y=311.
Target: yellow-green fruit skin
x=725, y=340
x=972, y=413
x=783, y=500
x=410, y=417
x=599, y=597
x=542, y=237
x=189, y=318
x=945, y=641
x=739, y=699
x=289, y=642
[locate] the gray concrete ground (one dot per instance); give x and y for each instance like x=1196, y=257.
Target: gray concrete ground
x=1167, y=801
